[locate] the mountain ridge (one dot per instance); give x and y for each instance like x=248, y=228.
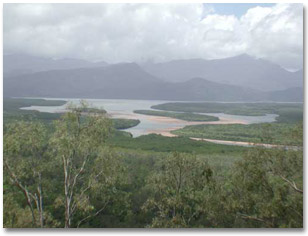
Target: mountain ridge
x=17, y=64
x=125, y=81
x=242, y=70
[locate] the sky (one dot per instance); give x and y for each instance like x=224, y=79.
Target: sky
x=236, y=9
x=156, y=32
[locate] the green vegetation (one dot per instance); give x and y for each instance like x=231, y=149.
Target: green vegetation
x=93, y=110
x=288, y=112
x=125, y=123
x=12, y=112
x=264, y=186
x=178, y=191
x=84, y=173
x=181, y=116
x=159, y=143
x=11, y=104
x=59, y=171
x=186, y=191
x=272, y=133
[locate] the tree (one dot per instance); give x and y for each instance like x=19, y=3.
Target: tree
x=77, y=143
x=267, y=188
x=25, y=158
x=178, y=186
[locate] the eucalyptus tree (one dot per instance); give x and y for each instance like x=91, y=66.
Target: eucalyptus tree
x=77, y=143
x=178, y=185
x=268, y=187
x=25, y=150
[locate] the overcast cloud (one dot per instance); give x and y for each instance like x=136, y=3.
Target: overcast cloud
x=153, y=32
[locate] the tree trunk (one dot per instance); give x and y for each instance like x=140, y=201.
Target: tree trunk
x=41, y=201
x=67, y=195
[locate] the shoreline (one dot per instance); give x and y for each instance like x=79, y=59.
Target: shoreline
x=232, y=143
x=167, y=124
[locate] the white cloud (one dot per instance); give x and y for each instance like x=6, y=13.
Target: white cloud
x=278, y=36
x=159, y=32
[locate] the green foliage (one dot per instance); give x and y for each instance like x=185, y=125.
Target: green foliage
x=181, y=116
x=14, y=215
x=159, y=143
x=124, y=123
x=149, y=181
x=14, y=103
x=12, y=111
x=93, y=110
x=275, y=133
x=26, y=157
x=267, y=189
x=30, y=141
x=93, y=180
x=290, y=115
x=288, y=112
x=76, y=143
x=178, y=189
x=107, y=194
x=74, y=133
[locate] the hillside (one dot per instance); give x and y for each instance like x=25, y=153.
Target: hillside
x=131, y=81
x=241, y=70
x=17, y=64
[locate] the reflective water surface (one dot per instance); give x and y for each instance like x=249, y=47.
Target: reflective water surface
x=122, y=108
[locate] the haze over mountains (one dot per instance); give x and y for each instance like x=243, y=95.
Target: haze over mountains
x=16, y=64
x=241, y=70
x=240, y=78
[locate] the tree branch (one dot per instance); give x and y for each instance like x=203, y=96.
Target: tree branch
x=93, y=215
x=23, y=189
x=77, y=175
x=292, y=184
x=247, y=217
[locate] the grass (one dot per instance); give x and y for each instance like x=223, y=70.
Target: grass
x=274, y=133
x=288, y=112
x=181, y=116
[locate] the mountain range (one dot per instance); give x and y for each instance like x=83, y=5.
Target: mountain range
x=242, y=70
x=240, y=78
x=17, y=64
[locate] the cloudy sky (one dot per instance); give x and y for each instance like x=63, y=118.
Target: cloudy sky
x=156, y=32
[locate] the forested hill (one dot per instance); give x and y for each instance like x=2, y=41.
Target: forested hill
x=18, y=64
x=131, y=81
x=242, y=70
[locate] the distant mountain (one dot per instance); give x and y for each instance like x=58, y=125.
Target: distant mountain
x=115, y=81
x=198, y=89
x=241, y=70
x=288, y=95
x=16, y=64
x=126, y=81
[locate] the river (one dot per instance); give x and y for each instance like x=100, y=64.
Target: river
x=122, y=108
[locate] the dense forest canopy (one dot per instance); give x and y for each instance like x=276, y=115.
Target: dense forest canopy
x=192, y=115
x=79, y=171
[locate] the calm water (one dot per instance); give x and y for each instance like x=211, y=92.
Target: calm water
x=121, y=108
